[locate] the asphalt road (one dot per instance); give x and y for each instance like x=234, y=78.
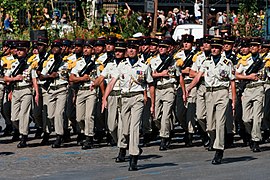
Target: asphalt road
x=70, y=162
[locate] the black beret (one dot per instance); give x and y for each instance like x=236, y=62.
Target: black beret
x=23, y=44
x=66, y=42
x=79, y=42
x=187, y=38
x=42, y=40
x=56, y=43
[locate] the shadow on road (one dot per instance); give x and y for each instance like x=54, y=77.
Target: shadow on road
x=237, y=159
x=149, y=166
x=6, y=153
x=142, y=157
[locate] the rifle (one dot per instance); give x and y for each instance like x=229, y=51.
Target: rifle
x=3, y=53
x=20, y=68
x=42, y=60
x=254, y=68
x=54, y=68
x=188, y=61
x=167, y=62
x=110, y=58
x=87, y=68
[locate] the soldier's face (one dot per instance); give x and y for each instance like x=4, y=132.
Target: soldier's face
x=65, y=49
x=206, y=46
x=162, y=50
x=254, y=48
x=216, y=50
x=56, y=50
x=21, y=52
x=87, y=50
x=41, y=48
x=144, y=47
x=99, y=49
x=187, y=46
x=119, y=54
x=13, y=51
x=227, y=47
x=6, y=49
x=153, y=48
x=110, y=47
x=35, y=51
x=78, y=49
x=245, y=50
x=265, y=50
x=132, y=52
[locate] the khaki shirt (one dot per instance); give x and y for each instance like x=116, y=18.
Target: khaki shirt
x=241, y=69
x=109, y=71
x=80, y=64
x=199, y=58
x=28, y=74
x=173, y=71
x=217, y=75
x=133, y=78
x=99, y=61
x=62, y=71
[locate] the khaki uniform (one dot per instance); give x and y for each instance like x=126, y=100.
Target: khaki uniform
x=252, y=102
x=133, y=83
x=165, y=96
x=217, y=81
x=199, y=58
x=6, y=62
x=114, y=121
x=189, y=109
x=85, y=101
x=21, y=97
x=57, y=94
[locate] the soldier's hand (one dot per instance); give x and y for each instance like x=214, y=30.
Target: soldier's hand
x=10, y=96
x=37, y=99
x=185, y=96
x=54, y=75
x=165, y=73
x=104, y=104
x=253, y=77
x=86, y=77
x=152, y=110
x=18, y=78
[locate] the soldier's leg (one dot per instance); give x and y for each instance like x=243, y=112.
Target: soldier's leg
x=25, y=107
x=210, y=118
x=112, y=116
x=247, y=110
x=100, y=126
x=15, y=109
x=59, y=112
x=136, y=105
x=221, y=108
x=125, y=116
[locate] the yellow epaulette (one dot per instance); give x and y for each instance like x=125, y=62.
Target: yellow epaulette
x=7, y=63
x=71, y=64
x=179, y=62
x=101, y=67
x=66, y=57
x=34, y=65
x=31, y=59
x=46, y=62
x=148, y=61
x=196, y=55
x=99, y=62
x=243, y=59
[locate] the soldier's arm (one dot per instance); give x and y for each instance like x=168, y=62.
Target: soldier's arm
x=164, y=73
x=153, y=98
x=192, y=73
x=74, y=79
x=8, y=79
x=108, y=90
x=102, y=87
x=240, y=76
x=194, y=82
x=233, y=87
x=35, y=86
x=99, y=80
x=183, y=87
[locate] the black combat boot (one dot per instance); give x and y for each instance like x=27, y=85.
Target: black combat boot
x=256, y=147
x=218, y=157
x=163, y=144
x=121, y=156
x=57, y=143
x=88, y=143
x=229, y=140
x=80, y=139
x=265, y=136
x=133, y=163
x=188, y=139
x=45, y=139
x=16, y=135
x=22, y=143
x=66, y=136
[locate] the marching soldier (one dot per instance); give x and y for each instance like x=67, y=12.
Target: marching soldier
x=198, y=60
x=165, y=80
x=83, y=75
x=22, y=78
x=218, y=73
x=184, y=59
x=253, y=94
x=133, y=75
x=55, y=72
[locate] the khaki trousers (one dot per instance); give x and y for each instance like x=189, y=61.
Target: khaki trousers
x=201, y=106
x=114, y=120
x=131, y=112
x=163, y=110
x=252, y=103
x=20, y=108
x=85, y=111
x=56, y=106
x=216, y=107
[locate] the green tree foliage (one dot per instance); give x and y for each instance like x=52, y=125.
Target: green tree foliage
x=249, y=24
